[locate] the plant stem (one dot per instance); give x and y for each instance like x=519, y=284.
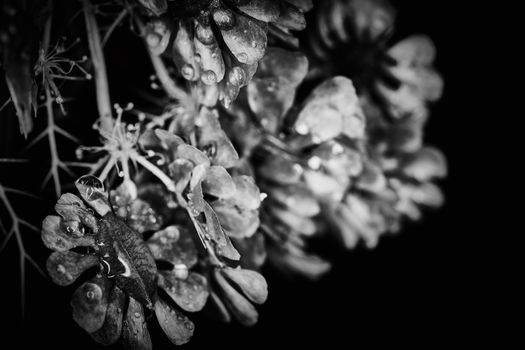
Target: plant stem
x=99, y=66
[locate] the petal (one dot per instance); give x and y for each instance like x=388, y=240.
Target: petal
x=240, y=307
x=184, y=53
x=288, y=65
x=247, y=194
x=253, y=251
x=308, y=265
x=208, y=53
x=218, y=182
x=112, y=329
x=192, y=154
x=297, y=199
x=65, y=267
x=135, y=333
x=299, y=223
x=246, y=39
x=372, y=178
x=142, y=217
x=156, y=7
x=72, y=209
x=252, y=283
x=281, y=170
x=54, y=237
x=291, y=17
x=90, y=302
x=157, y=34
x=174, y=244
x=190, y=294
x=414, y=51
x=174, y=323
x=180, y=171
x=331, y=109
x=212, y=138
x=224, y=246
x=324, y=186
x=424, y=165
x=263, y=10
x=237, y=221
x=92, y=191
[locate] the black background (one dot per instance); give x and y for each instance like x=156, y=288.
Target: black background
x=414, y=288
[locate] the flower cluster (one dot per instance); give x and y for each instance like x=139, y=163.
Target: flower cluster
x=311, y=140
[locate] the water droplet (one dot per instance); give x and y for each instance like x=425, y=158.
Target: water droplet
x=90, y=294
x=137, y=315
x=187, y=72
x=314, y=162
x=242, y=57
x=237, y=76
x=61, y=269
x=337, y=149
x=59, y=100
x=181, y=271
x=188, y=325
x=263, y=196
x=70, y=229
x=198, y=58
x=224, y=18
x=254, y=44
x=302, y=129
x=209, y=77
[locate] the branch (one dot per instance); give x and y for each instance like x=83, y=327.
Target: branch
x=15, y=231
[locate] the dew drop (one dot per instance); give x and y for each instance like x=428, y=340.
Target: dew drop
x=242, y=57
x=254, y=44
x=209, y=77
x=302, y=129
x=181, y=271
x=137, y=315
x=187, y=72
x=188, y=325
x=314, y=162
x=237, y=76
x=61, y=269
x=90, y=294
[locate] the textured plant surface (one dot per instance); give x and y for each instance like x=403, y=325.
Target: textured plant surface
x=266, y=126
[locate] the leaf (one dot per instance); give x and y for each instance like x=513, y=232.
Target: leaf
x=65, y=267
x=127, y=254
x=174, y=323
x=174, y=244
x=237, y=221
x=90, y=302
x=247, y=194
x=135, y=335
x=190, y=294
x=252, y=283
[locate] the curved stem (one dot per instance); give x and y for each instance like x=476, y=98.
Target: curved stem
x=99, y=66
